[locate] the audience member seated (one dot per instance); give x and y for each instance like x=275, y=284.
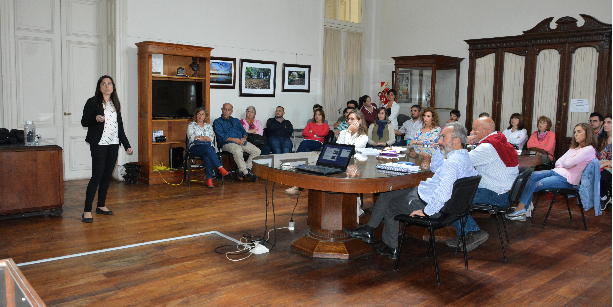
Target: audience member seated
x=604, y=155
x=356, y=133
x=351, y=104
x=544, y=139
x=496, y=161
x=233, y=138
x=596, y=121
x=369, y=110
x=343, y=125
x=429, y=134
x=392, y=108
x=315, y=107
x=454, y=116
x=472, y=140
x=428, y=198
x=484, y=114
x=253, y=127
x=200, y=136
x=381, y=132
x=411, y=126
x=515, y=133
x=314, y=133
x=566, y=174
x=280, y=131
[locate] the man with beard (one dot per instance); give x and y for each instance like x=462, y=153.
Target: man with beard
x=280, y=131
x=410, y=127
x=426, y=199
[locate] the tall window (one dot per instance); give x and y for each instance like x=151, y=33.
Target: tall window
x=344, y=10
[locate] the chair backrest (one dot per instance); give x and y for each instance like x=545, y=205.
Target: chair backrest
x=519, y=185
x=462, y=195
x=330, y=137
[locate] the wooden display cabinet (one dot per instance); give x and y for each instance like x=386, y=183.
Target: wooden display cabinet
x=151, y=153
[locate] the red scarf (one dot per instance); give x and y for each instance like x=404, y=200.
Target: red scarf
x=506, y=151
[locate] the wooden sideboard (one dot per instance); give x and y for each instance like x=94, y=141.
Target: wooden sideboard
x=31, y=179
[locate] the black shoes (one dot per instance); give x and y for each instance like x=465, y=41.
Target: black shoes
x=388, y=251
x=251, y=176
x=362, y=233
x=100, y=211
x=87, y=219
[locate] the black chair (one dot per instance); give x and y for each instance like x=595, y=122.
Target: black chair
x=457, y=207
x=189, y=159
x=330, y=139
x=498, y=212
x=564, y=192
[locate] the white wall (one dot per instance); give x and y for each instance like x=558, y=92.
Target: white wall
x=274, y=30
x=440, y=27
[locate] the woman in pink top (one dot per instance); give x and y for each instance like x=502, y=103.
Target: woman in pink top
x=543, y=138
x=314, y=133
x=253, y=125
x=567, y=173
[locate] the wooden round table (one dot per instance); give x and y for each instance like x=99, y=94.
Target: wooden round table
x=332, y=202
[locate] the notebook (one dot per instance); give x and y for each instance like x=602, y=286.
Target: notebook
x=333, y=158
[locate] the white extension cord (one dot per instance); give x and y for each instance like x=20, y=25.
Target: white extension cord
x=259, y=249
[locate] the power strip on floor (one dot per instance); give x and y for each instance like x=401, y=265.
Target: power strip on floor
x=259, y=249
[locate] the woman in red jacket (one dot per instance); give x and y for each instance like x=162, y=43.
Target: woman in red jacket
x=314, y=133
x=543, y=139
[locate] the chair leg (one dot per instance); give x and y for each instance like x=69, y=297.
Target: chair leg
x=536, y=203
x=580, y=204
x=438, y=277
x=428, y=248
x=505, y=232
x=400, y=239
x=463, y=223
x=549, y=211
x=568, y=207
x=189, y=172
x=500, y=236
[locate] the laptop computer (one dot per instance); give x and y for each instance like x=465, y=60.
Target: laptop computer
x=333, y=158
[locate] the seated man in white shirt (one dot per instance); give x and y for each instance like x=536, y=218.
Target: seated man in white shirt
x=496, y=161
x=410, y=127
x=426, y=199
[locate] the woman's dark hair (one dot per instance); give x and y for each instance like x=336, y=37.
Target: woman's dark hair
x=362, y=100
x=100, y=98
x=206, y=112
x=323, y=115
x=353, y=102
x=347, y=109
x=603, y=137
x=384, y=111
x=456, y=113
x=520, y=126
x=394, y=92
x=317, y=106
x=590, y=138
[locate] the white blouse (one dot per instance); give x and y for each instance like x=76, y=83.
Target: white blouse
x=394, y=111
x=194, y=130
x=347, y=139
x=517, y=138
x=110, y=134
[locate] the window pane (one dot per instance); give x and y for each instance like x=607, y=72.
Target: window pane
x=330, y=12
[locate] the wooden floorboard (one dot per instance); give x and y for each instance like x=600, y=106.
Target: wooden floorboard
x=561, y=265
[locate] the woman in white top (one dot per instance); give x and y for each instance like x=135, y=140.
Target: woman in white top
x=356, y=134
x=516, y=134
x=393, y=108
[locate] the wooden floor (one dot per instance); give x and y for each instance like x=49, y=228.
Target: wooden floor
x=559, y=265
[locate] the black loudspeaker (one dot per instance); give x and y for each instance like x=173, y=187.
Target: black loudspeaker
x=176, y=157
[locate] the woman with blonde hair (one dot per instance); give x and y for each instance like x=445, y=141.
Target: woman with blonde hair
x=356, y=134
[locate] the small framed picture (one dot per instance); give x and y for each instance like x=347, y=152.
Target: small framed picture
x=257, y=78
x=296, y=78
x=223, y=72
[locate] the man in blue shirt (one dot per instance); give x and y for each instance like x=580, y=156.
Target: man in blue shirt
x=233, y=138
x=426, y=199
x=280, y=130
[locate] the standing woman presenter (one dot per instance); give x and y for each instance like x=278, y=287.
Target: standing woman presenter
x=102, y=117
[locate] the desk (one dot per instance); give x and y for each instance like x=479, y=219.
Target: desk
x=332, y=203
x=15, y=289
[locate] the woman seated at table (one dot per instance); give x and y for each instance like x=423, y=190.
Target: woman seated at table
x=604, y=155
x=516, y=134
x=566, y=174
x=356, y=133
x=381, y=132
x=200, y=135
x=427, y=136
x=314, y=133
x=544, y=139
x=254, y=126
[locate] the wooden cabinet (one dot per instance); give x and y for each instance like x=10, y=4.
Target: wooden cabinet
x=174, y=56
x=32, y=179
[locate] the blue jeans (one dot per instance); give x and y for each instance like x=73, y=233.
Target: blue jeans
x=483, y=196
x=265, y=149
x=280, y=144
x=309, y=145
x=208, y=154
x=543, y=180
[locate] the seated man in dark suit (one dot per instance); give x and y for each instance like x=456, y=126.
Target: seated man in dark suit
x=280, y=130
x=426, y=199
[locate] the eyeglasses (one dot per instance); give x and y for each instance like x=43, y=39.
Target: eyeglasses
x=594, y=120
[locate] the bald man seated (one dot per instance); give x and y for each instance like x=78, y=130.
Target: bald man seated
x=496, y=161
x=233, y=138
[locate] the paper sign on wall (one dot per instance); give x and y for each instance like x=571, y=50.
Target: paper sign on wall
x=579, y=105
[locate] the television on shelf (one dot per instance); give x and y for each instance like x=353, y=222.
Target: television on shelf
x=175, y=99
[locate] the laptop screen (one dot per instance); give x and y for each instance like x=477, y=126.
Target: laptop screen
x=335, y=155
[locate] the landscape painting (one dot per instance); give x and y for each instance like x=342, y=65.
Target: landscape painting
x=223, y=72
x=296, y=78
x=257, y=78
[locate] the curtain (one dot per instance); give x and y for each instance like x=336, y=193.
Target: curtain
x=546, y=84
x=353, y=65
x=512, y=87
x=332, y=95
x=582, y=84
x=484, y=85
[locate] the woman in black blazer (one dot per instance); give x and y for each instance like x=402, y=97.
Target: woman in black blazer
x=102, y=117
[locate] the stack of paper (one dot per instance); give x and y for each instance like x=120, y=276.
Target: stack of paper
x=399, y=167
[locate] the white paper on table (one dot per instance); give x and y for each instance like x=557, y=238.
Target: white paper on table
x=368, y=151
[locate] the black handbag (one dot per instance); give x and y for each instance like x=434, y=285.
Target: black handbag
x=256, y=139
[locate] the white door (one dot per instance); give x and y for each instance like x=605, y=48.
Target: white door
x=84, y=60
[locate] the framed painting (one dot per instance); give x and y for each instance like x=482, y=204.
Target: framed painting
x=296, y=78
x=257, y=78
x=223, y=72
